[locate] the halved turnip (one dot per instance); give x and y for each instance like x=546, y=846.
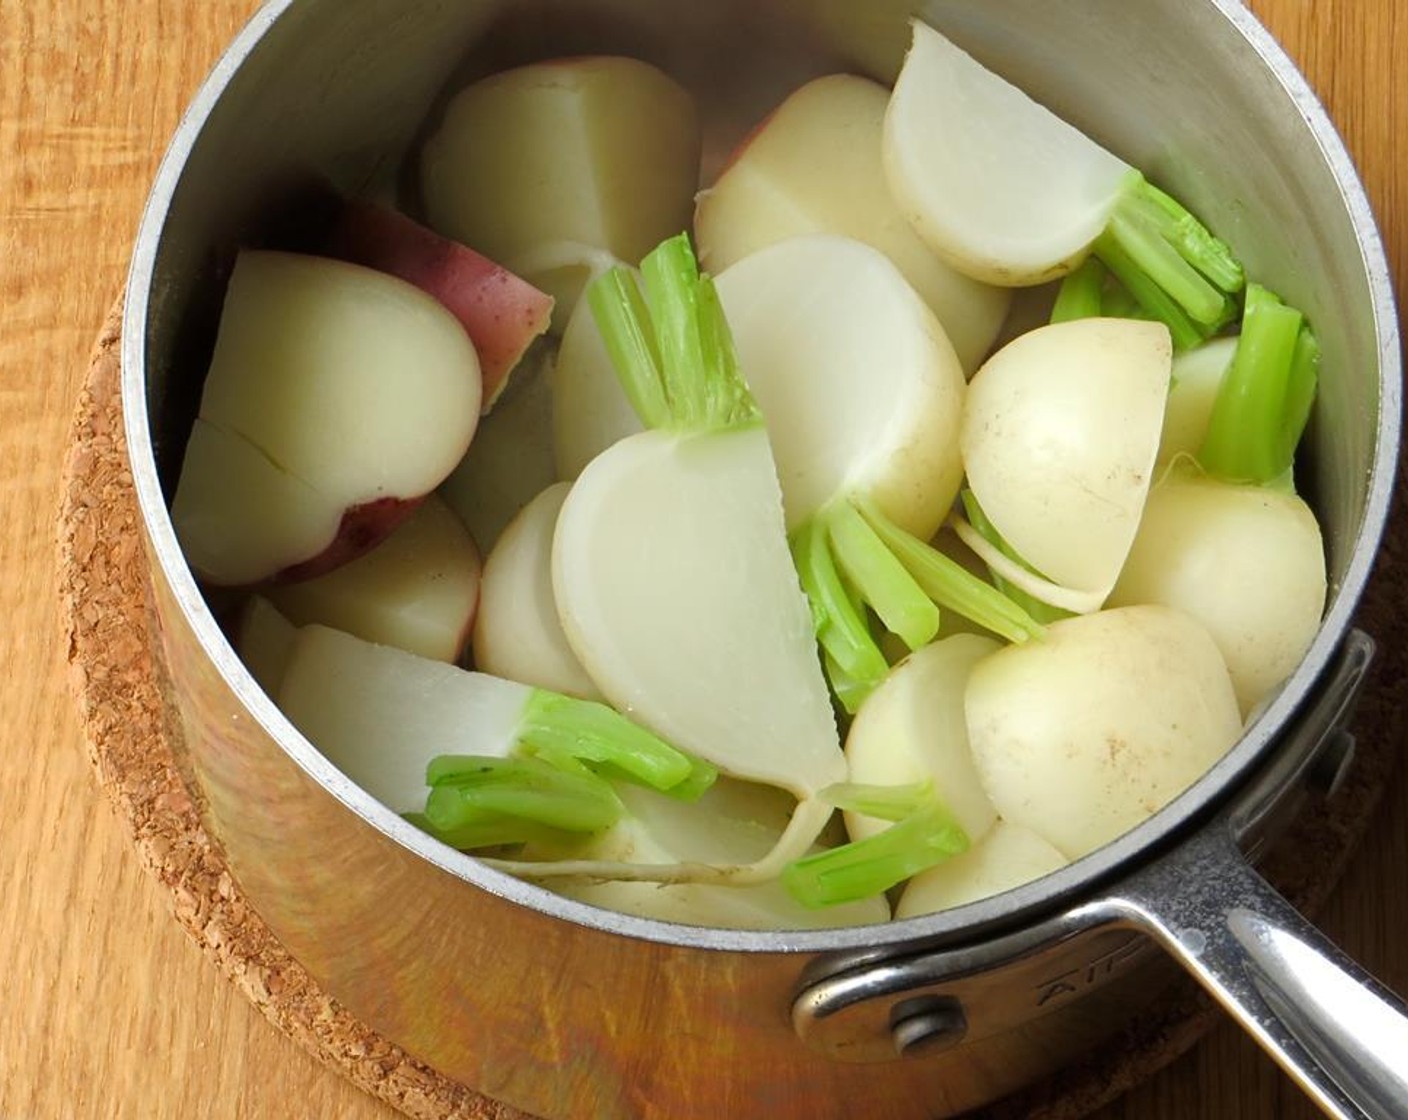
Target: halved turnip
x=671, y=569
x=1082, y=736
x=1247, y=561
x=560, y=169
x=337, y=397
x=1224, y=536
x=1197, y=376
x=814, y=166
x=911, y=731
x=1011, y=194
x=417, y=590
x=1007, y=856
x=1060, y=432
x=517, y=633
x=501, y=313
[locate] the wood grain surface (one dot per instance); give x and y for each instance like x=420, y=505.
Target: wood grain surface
x=106, y=1009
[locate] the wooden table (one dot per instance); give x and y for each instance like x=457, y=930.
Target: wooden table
x=106, y=1009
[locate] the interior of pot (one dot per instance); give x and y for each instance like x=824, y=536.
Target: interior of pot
x=337, y=92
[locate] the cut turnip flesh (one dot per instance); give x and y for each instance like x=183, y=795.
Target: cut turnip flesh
x=380, y=714
x=911, y=729
x=994, y=182
x=1084, y=735
x=1196, y=378
x=1247, y=561
x=814, y=166
x=676, y=589
x=517, y=633
x=1060, y=432
x=859, y=385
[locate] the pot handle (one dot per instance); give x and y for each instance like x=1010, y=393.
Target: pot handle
x=1331, y=1026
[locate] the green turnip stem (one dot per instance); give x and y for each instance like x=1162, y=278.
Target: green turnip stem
x=808, y=820
x=470, y=789
x=865, y=868
x=850, y=692
x=1264, y=401
x=1041, y=611
x=1171, y=263
x=886, y=803
x=585, y=730
x=1081, y=295
x=489, y=830
x=1147, y=294
x=949, y=584
x=879, y=578
x=671, y=347
x=624, y=322
x=841, y=626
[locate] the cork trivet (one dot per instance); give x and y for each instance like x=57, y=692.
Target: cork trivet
x=119, y=682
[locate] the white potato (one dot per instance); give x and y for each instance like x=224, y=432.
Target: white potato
x=1247, y=561
x=264, y=640
x=1060, y=431
x=912, y=729
x=994, y=182
x=814, y=166
x=1007, y=856
x=417, y=590
x=558, y=169
x=517, y=634
x=1082, y=736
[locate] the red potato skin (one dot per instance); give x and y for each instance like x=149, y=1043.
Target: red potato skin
x=501, y=313
x=362, y=528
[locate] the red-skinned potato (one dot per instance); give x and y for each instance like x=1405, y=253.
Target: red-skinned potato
x=418, y=590
x=502, y=313
x=337, y=398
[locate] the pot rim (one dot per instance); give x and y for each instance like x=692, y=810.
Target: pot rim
x=1079, y=882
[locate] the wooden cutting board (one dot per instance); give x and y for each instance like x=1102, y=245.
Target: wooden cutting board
x=109, y=1010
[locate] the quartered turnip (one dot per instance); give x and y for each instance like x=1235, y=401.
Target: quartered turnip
x=517, y=633
x=1082, y=736
x=814, y=166
x=1011, y=194
x=561, y=169
x=1060, y=433
x=336, y=399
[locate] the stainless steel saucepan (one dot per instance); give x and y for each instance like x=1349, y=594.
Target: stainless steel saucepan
x=567, y=1011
